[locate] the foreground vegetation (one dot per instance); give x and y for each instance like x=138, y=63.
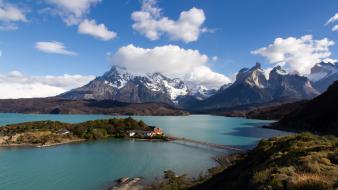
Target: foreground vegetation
x=303, y=161
x=43, y=133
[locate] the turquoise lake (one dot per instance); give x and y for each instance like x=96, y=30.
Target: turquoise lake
x=95, y=165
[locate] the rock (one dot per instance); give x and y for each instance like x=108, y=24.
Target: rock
x=126, y=183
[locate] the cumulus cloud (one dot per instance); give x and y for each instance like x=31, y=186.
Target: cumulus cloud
x=18, y=85
x=298, y=54
x=173, y=61
x=205, y=76
x=53, y=47
x=73, y=11
x=97, y=30
x=10, y=15
x=153, y=25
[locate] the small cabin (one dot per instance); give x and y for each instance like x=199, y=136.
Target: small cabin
x=157, y=131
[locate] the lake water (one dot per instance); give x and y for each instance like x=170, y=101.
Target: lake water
x=96, y=164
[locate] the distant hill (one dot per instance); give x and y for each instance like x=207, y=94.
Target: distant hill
x=265, y=111
x=319, y=115
x=67, y=106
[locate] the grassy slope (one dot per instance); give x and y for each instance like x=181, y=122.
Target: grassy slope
x=302, y=161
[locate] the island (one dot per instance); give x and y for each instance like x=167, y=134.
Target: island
x=49, y=133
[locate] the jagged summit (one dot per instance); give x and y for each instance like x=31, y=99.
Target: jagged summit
x=323, y=75
x=254, y=76
x=278, y=70
x=253, y=87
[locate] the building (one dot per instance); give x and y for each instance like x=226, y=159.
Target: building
x=63, y=132
x=157, y=131
x=141, y=133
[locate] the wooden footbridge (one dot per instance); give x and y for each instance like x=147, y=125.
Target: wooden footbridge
x=212, y=145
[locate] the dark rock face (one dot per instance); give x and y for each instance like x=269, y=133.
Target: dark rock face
x=323, y=75
x=283, y=85
x=318, y=115
x=253, y=87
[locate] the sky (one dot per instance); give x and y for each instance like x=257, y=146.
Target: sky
x=50, y=46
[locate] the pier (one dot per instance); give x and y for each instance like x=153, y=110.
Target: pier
x=212, y=145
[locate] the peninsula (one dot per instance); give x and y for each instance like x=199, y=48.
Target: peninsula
x=49, y=133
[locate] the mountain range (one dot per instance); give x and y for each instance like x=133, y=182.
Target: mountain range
x=252, y=86
x=120, y=85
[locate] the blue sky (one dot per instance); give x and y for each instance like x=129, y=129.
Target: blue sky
x=231, y=30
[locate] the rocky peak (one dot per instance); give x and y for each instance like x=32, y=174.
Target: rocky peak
x=323, y=70
x=254, y=76
x=279, y=70
x=277, y=73
x=116, y=77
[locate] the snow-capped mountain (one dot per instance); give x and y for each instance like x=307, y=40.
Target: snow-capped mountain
x=283, y=85
x=323, y=75
x=253, y=87
x=120, y=85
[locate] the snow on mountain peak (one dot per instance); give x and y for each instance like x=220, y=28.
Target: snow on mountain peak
x=323, y=70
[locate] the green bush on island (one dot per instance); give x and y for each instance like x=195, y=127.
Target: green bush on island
x=43, y=132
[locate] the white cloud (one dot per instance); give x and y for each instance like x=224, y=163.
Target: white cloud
x=214, y=58
x=18, y=85
x=333, y=19
x=335, y=28
x=298, y=54
x=99, y=31
x=205, y=76
x=9, y=15
x=53, y=47
x=170, y=60
x=73, y=11
x=153, y=25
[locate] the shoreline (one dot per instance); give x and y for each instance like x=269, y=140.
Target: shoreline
x=41, y=146
x=72, y=142
x=282, y=129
